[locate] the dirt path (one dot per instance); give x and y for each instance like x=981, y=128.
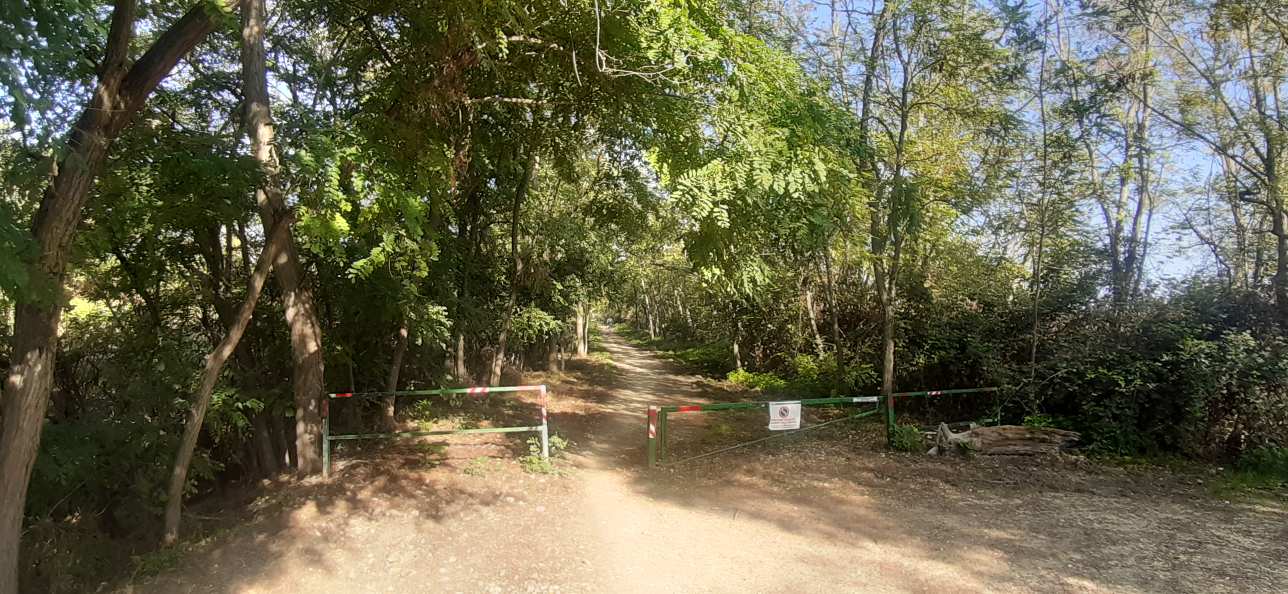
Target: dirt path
x=800, y=517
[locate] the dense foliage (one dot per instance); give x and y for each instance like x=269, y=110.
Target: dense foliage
x=1081, y=202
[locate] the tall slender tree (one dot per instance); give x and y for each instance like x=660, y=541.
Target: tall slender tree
x=308, y=375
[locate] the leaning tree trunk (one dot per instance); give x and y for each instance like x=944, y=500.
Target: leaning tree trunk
x=391, y=382
x=214, y=367
x=121, y=91
x=301, y=314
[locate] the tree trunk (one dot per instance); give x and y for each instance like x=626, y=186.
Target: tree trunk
x=301, y=316
x=459, y=371
x=466, y=237
x=652, y=321
x=885, y=295
x=1035, y=279
x=391, y=382
x=580, y=329
x=119, y=95
x=1004, y=440
x=687, y=311
x=1279, y=229
x=832, y=309
x=552, y=353
x=292, y=457
x=808, y=295
x=584, y=339
x=250, y=462
x=262, y=440
x=887, y=346
x=214, y=366
x=516, y=270
x=281, y=441
x=737, y=354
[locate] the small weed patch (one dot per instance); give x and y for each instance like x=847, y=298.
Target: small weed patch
x=1260, y=471
x=907, y=438
x=719, y=431
x=479, y=466
x=155, y=562
x=534, y=463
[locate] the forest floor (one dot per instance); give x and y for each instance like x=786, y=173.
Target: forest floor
x=815, y=514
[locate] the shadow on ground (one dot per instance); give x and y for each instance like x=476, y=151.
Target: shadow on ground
x=995, y=523
x=828, y=511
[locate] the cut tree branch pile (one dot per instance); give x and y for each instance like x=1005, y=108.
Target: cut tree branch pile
x=1008, y=440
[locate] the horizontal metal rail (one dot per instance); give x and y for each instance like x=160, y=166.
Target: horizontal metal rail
x=866, y=413
x=763, y=404
x=543, y=429
x=442, y=432
x=658, y=415
x=475, y=390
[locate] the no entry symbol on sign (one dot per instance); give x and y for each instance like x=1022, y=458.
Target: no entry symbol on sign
x=784, y=416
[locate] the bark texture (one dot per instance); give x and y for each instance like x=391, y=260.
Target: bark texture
x=1004, y=440
x=121, y=91
x=391, y=382
x=516, y=271
x=301, y=314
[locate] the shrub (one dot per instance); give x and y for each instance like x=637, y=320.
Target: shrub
x=710, y=358
x=756, y=380
x=422, y=409
x=818, y=375
x=532, y=325
x=907, y=438
x=534, y=463
x=1265, y=461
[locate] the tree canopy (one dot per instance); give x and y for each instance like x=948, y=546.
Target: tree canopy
x=1082, y=202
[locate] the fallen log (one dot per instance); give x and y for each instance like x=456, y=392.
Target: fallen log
x=1003, y=440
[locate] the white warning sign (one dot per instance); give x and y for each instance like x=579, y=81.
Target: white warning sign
x=784, y=416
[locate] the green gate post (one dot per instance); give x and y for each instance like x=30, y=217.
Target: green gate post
x=326, y=437
x=545, y=426
x=652, y=436
x=661, y=435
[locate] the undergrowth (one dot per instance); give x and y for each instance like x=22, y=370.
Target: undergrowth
x=907, y=438
x=1260, y=471
x=533, y=462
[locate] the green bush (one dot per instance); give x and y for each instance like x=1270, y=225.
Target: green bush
x=711, y=358
x=532, y=325
x=818, y=375
x=907, y=438
x=1265, y=461
x=756, y=380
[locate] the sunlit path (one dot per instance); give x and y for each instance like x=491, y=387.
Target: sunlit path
x=822, y=518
